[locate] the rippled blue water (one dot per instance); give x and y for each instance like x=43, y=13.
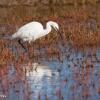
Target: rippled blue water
x=76, y=77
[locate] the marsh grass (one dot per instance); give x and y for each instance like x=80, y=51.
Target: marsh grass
x=79, y=25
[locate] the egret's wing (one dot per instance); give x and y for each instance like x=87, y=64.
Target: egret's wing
x=31, y=29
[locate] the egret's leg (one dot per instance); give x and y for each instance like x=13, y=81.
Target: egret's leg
x=19, y=41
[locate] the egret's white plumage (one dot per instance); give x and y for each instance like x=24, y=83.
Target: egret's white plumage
x=34, y=30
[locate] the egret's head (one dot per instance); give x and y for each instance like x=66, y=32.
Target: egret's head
x=54, y=25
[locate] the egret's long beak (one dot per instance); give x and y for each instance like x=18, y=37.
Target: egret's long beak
x=59, y=33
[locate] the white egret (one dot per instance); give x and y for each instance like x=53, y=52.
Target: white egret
x=34, y=30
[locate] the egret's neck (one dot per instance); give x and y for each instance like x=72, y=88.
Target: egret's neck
x=48, y=29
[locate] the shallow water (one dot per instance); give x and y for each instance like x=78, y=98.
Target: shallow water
x=75, y=77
